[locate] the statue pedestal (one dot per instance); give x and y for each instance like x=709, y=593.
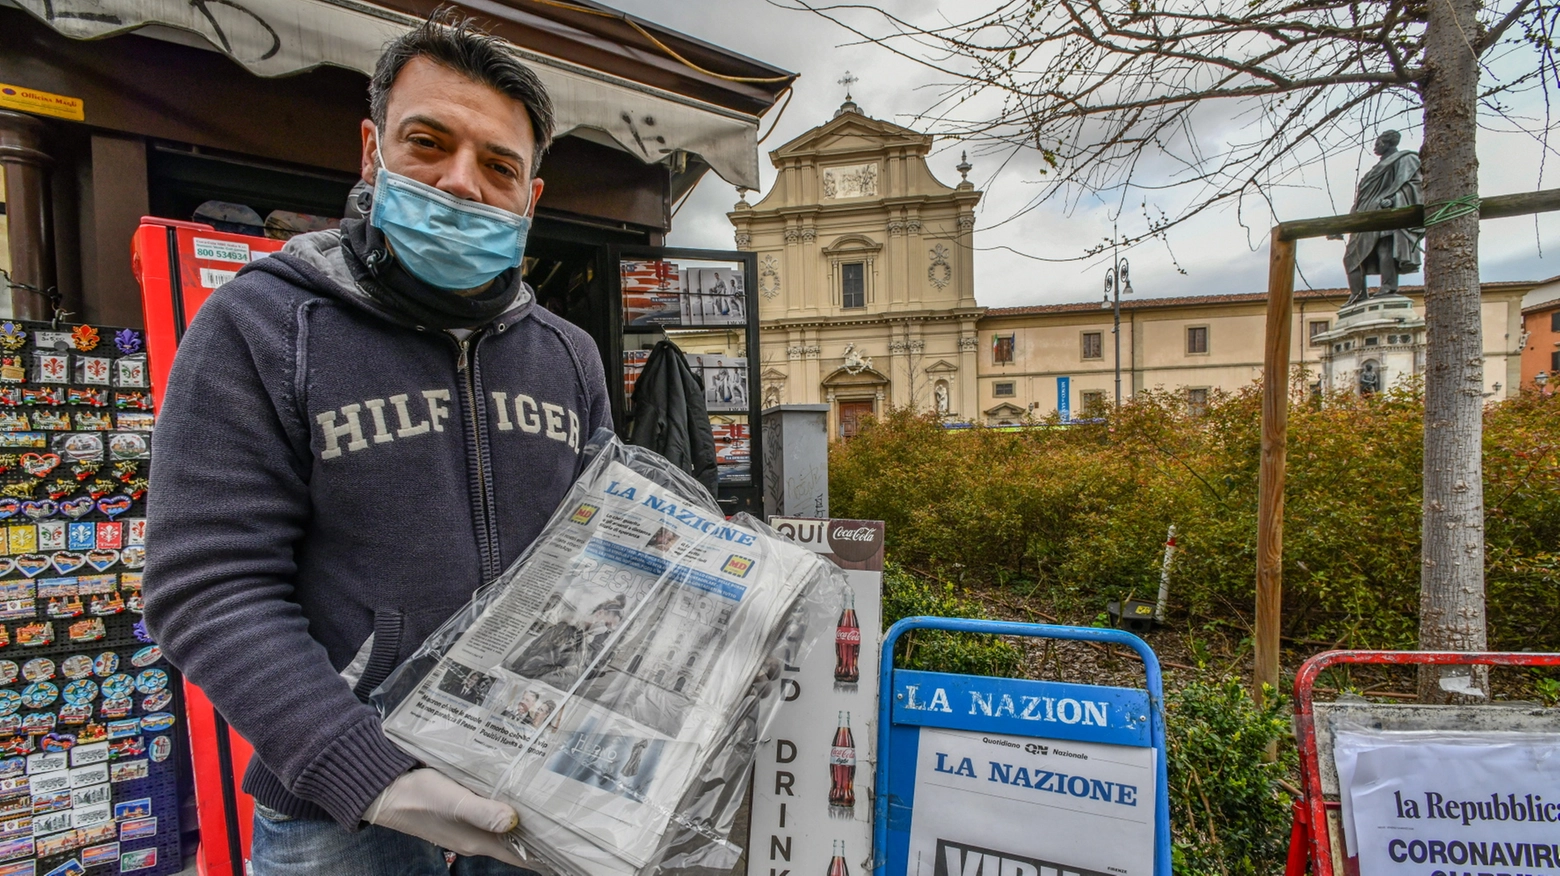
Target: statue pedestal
x=1373, y=345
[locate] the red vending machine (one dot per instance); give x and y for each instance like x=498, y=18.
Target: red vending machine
x=179, y=265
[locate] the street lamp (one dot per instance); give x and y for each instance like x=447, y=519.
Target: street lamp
x=1117, y=283
x=1539, y=380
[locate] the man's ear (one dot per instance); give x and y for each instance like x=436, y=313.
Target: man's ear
x=536, y=195
x=368, y=166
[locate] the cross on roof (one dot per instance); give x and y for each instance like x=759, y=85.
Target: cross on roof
x=848, y=80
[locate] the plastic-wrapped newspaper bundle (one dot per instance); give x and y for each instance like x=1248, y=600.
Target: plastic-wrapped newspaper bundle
x=612, y=684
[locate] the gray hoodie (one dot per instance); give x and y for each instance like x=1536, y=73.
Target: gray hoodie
x=324, y=471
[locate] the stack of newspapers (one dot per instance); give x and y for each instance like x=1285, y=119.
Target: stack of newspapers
x=611, y=685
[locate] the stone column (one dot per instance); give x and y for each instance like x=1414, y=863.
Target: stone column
x=26, y=211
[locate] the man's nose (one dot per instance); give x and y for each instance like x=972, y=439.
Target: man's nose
x=463, y=176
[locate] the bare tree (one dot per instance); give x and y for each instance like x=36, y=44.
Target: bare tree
x=1117, y=98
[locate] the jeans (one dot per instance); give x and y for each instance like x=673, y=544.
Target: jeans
x=285, y=846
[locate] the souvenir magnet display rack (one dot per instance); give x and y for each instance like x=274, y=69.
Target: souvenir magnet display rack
x=87, y=704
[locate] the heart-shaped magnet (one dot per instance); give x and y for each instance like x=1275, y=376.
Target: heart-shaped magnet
x=67, y=562
x=9, y=508
x=101, y=560
x=39, y=464
x=114, y=506
x=32, y=565
x=76, y=509
x=40, y=509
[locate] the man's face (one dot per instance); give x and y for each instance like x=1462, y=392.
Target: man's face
x=461, y=137
x=1385, y=145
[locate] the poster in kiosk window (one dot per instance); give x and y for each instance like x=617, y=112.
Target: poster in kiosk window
x=983, y=776
x=811, y=810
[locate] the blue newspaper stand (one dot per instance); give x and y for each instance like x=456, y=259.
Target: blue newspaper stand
x=1004, y=793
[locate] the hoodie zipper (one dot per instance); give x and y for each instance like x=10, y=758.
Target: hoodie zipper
x=487, y=541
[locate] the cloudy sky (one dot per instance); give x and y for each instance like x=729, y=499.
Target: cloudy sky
x=1220, y=251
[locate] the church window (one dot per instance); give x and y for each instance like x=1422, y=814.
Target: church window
x=1372, y=341
x=1197, y=401
x=1092, y=401
x=853, y=283
x=1554, y=321
x=1196, y=340
x=1002, y=390
x=1318, y=326
x=1002, y=349
x=1093, y=345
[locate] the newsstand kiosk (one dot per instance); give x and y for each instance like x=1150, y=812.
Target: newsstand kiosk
x=627, y=297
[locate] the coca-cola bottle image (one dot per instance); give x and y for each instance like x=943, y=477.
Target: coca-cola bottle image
x=837, y=863
x=842, y=770
x=847, y=644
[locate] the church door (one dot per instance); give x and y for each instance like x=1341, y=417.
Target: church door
x=851, y=414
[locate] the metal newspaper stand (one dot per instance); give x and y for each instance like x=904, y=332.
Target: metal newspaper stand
x=1316, y=839
x=1060, y=766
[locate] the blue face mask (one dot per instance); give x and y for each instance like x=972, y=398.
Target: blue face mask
x=442, y=240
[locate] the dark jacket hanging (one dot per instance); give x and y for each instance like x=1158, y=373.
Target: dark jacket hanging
x=669, y=416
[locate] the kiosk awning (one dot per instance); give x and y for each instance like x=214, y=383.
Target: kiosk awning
x=280, y=37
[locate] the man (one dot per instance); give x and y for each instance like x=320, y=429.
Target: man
x=1394, y=182
x=359, y=432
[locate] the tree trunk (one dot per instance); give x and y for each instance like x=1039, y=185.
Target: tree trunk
x=1451, y=601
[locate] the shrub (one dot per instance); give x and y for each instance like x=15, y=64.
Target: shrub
x=1229, y=815
x=907, y=595
x=1077, y=514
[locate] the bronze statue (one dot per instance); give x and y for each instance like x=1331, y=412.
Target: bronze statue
x=1394, y=182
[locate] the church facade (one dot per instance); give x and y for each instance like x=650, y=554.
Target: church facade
x=867, y=302
x=865, y=277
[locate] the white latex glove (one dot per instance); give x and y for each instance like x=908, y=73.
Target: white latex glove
x=429, y=806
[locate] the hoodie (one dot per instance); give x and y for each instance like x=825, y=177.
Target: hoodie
x=323, y=470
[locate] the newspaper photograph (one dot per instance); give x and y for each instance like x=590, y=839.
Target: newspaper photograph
x=610, y=664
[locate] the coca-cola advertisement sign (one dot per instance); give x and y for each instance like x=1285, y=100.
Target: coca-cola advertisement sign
x=856, y=541
x=811, y=791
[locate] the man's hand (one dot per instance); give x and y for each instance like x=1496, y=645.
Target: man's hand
x=429, y=806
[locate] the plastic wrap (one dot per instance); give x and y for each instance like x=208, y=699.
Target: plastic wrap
x=612, y=684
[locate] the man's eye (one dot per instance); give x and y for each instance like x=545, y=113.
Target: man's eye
x=504, y=170
x=424, y=142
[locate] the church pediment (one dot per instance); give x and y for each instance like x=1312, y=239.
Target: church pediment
x=773, y=374
x=1006, y=411
x=852, y=243
x=941, y=366
x=842, y=377
x=853, y=131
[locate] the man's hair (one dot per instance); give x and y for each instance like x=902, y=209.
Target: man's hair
x=1392, y=137
x=456, y=42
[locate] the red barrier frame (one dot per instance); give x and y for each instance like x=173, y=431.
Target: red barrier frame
x=1310, y=830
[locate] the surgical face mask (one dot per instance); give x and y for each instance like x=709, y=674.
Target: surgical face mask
x=442, y=240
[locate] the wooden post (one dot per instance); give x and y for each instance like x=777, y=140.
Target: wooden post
x=1270, y=478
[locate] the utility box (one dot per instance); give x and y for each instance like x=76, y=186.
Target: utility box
x=796, y=461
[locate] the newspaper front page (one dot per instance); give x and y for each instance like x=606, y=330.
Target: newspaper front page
x=608, y=666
